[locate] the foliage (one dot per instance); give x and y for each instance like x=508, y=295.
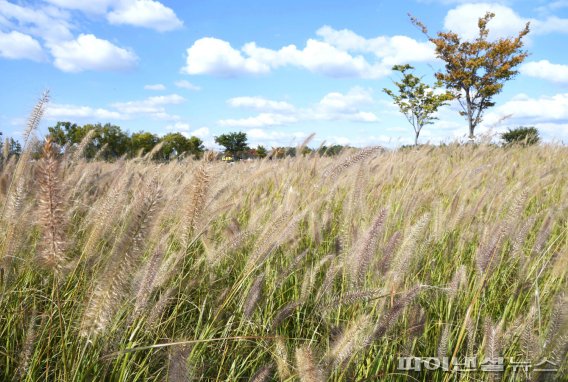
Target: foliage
x=521, y=135
x=143, y=142
x=261, y=152
x=110, y=142
x=477, y=70
x=177, y=145
x=235, y=143
x=416, y=100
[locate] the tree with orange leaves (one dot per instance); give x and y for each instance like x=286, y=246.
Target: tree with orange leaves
x=476, y=70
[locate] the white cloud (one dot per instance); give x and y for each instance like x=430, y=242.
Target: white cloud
x=216, y=57
x=154, y=107
x=46, y=22
x=330, y=57
x=56, y=111
x=145, y=13
x=526, y=110
x=88, y=52
x=274, y=138
x=338, y=106
x=334, y=106
x=93, y=6
x=261, y=120
x=463, y=21
x=157, y=87
x=151, y=105
x=546, y=70
x=260, y=103
x=16, y=45
x=392, y=50
x=185, y=129
x=202, y=133
x=179, y=126
x=184, y=84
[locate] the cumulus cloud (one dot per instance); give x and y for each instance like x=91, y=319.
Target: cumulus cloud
x=145, y=13
x=141, y=13
x=261, y=120
x=260, y=103
x=391, y=50
x=184, y=84
x=56, y=111
x=334, y=106
x=463, y=20
x=217, y=57
x=525, y=109
x=46, y=22
x=88, y=52
x=151, y=105
x=546, y=70
x=16, y=45
x=157, y=87
x=337, y=54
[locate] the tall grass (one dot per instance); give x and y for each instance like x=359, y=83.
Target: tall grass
x=306, y=268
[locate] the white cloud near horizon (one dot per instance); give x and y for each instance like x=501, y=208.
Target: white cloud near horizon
x=260, y=103
x=329, y=56
x=57, y=111
x=334, y=106
x=153, y=107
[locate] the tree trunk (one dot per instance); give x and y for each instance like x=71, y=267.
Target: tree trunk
x=469, y=116
x=416, y=138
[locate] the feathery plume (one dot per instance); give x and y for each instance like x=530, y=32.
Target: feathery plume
x=308, y=371
x=52, y=218
x=365, y=249
x=253, y=296
x=263, y=374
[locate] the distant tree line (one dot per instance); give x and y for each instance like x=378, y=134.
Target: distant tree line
x=110, y=142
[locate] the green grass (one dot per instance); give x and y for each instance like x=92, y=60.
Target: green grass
x=213, y=272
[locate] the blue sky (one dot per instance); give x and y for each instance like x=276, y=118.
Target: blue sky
x=278, y=70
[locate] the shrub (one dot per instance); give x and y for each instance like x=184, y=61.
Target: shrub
x=521, y=135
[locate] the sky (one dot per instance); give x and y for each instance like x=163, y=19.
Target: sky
x=277, y=70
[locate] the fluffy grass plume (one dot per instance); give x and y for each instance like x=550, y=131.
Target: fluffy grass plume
x=312, y=268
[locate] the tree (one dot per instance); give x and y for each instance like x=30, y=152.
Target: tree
x=235, y=143
x=476, y=70
x=416, y=100
x=115, y=141
x=142, y=142
x=261, y=152
x=175, y=144
x=525, y=136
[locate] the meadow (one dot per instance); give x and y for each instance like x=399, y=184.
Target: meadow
x=299, y=269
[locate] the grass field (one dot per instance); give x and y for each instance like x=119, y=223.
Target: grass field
x=308, y=268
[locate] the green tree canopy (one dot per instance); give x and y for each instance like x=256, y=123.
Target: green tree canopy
x=235, y=144
x=416, y=100
x=521, y=135
x=142, y=142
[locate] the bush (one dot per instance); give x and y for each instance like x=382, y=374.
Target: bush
x=521, y=135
